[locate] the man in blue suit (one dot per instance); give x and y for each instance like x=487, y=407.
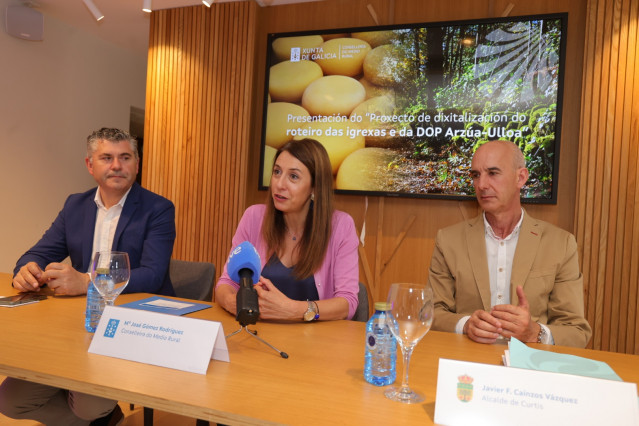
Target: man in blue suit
x=142, y=225
x=117, y=215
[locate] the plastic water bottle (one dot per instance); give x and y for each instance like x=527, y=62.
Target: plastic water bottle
x=381, y=348
x=95, y=306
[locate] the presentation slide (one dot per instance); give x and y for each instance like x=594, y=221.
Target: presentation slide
x=401, y=109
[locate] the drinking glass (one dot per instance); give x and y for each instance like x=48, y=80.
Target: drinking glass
x=110, y=272
x=412, y=314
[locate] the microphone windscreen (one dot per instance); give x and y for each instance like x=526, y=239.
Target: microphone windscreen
x=244, y=256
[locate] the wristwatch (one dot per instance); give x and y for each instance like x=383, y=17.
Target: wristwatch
x=312, y=313
x=542, y=334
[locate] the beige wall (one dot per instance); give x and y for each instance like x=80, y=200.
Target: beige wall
x=53, y=94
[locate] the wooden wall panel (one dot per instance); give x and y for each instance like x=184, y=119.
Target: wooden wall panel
x=606, y=219
x=199, y=86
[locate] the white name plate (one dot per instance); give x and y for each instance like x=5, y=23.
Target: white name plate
x=482, y=394
x=182, y=343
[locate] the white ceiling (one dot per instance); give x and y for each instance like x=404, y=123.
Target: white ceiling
x=124, y=23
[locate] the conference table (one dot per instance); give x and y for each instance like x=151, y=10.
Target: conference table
x=320, y=383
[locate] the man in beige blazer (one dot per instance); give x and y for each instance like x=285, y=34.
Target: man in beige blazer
x=503, y=273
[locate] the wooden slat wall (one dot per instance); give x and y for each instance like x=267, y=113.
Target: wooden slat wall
x=607, y=216
x=199, y=86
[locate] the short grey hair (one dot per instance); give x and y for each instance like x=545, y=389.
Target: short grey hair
x=111, y=135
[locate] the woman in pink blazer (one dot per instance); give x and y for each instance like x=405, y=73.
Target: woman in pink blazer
x=308, y=250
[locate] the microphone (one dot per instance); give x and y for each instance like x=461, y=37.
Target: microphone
x=244, y=267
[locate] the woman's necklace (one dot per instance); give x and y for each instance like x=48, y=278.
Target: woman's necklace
x=293, y=237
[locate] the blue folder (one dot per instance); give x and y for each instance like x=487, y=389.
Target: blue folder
x=165, y=305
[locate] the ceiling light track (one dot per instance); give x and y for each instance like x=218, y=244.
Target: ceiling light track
x=94, y=10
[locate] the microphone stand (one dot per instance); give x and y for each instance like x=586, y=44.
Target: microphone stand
x=244, y=327
x=248, y=309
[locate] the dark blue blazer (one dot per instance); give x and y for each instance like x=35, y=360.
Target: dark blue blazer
x=146, y=231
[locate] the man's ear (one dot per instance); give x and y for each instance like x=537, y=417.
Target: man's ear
x=522, y=177
x=89, y=164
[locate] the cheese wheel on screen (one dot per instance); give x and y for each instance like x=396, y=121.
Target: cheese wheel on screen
x=287, y=80
x=269, y=156
x=371, y=111
x=373, y=90
x=333, y=94
x=380, y=65
x=281, y=118
x=342, y=56
x=373, y=116
x=367, y=169
x=375, y=38
x=332, y=36
x=282, y=46
x=334, y=135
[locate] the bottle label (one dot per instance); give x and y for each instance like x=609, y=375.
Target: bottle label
x=371, y=341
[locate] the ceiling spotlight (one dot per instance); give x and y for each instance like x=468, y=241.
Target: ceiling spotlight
x=146, y=6
x=94, y=10
x=208, y=3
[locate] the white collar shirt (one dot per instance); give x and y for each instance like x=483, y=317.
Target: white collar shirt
x=500, y=253
x=106, y=222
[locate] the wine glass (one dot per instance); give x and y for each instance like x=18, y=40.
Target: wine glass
x=110, y=272
x=412, y=314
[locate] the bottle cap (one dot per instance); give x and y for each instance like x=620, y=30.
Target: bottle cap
x=382, y=306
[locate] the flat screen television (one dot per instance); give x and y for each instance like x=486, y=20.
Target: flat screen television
x=401, y=108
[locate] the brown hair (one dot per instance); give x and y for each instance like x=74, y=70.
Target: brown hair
x=317, y=229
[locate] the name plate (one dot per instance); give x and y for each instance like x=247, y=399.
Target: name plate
x=482, y=394
x=182, y=343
